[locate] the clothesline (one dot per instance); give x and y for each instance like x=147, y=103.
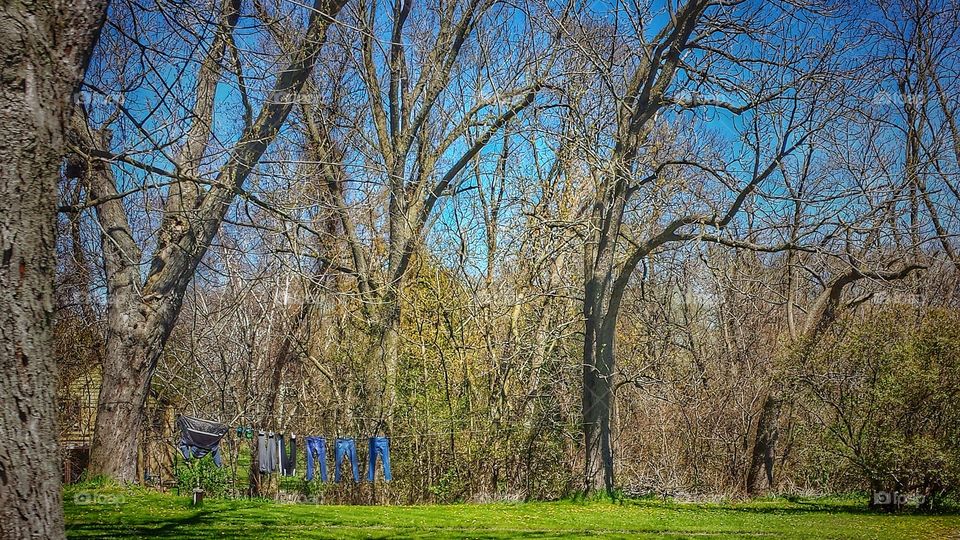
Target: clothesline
x=274, y=455
x=418, y=434
x=252, y=433
x=242, y=418
x=201, y=437
x=301, y=417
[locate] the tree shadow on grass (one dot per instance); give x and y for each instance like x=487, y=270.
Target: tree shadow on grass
x=813, y=507
x=243, y=524
x=793, y=507
x=174, y=527
x=209, y=524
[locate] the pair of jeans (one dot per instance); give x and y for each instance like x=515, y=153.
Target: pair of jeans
x=316, y=446
x=346, y=448
x=379, y=446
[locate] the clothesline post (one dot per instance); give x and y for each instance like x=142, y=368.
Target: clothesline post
x=197, y=493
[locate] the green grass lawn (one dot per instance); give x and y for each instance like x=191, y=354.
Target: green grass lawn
x=118, y=512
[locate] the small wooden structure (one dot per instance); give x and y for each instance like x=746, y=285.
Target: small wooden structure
x=79, y=416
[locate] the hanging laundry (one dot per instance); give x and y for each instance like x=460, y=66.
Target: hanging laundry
x=278, y=457
x=267, y=452
x=262, y=451
x=200, y=437
x=316, y=449
x=346, y=448
x=288, y=461
x=272, y=454
x=379, y=446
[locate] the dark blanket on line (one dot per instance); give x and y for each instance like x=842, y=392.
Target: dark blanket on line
x=200, y=433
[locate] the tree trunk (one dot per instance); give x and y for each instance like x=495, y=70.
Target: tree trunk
x=45, y=49
x=763, y=457
x=379, y=392
x=137, y=326
x=128, y=366
x=391, y=362
x=30, y=472
x=597, y=399
x=285, y=354
x=820, y=315
x=604, y=284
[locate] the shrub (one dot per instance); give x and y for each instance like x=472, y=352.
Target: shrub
x=891, y=392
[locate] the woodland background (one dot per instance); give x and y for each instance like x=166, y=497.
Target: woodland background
x=704, y=247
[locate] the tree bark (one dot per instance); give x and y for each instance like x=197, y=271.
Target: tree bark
x=763, y=457
x=597, y=406
x=45, y=50
x=600, y=311
x=133, y=348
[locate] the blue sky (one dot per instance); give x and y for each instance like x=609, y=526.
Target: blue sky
x=160, y=100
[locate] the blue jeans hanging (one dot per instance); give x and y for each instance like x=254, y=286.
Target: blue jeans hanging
x=381, y=446
x=316, y=446
x=346, y=448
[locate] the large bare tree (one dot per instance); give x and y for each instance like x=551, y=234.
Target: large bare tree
x=143, y=306
x=424, y=136
x=681, y=67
